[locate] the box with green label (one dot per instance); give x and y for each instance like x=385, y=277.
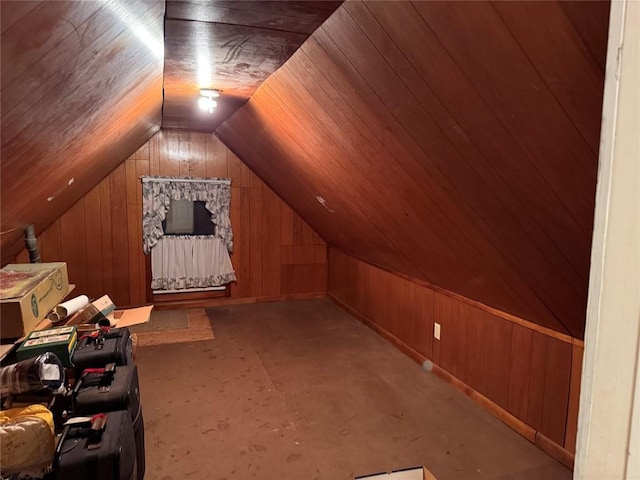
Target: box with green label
x=28, y=292
x=60, y=340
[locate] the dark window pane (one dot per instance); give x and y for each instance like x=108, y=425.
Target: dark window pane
x=188, y=218
x=202, y=224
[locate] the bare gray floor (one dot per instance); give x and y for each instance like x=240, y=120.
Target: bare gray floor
x=301, y=390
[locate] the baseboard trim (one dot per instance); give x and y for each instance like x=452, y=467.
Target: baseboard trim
x=545, y=444
x=220, y=301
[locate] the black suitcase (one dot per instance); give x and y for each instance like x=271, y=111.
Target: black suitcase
x=109, y=389
x=102, y=347
x=100, y=449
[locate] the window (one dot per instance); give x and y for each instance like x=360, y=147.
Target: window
x=185, y=217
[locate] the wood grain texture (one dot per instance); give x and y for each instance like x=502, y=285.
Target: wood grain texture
x=467, y=137
x=519, y=372
x=451, y=350
x=537, y=380
x=81, y=91
x=228, y=46
x=591, y=21
x=292, y=16
x=496, y=359
x=556, y=391
x=528, y=379
x=577, y=354
x=557, y=51
x=100, y=238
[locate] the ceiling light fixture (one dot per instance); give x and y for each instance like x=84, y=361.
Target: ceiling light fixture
x=206, y=101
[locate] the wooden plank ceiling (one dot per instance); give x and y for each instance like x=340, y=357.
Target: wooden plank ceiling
x=82, y=86
x=81, y=90
x=454, y=142
x=231, y=46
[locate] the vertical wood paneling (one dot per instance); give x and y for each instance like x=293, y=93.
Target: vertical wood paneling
x=536, y=379
x=520, y=368
x=217, y=165
x=197, y=156
x=119, y=237
x=556, y=390
x=23, y=257
x=530, y=373
x=237, y=257
x=154, y=154
x=475, y=324
x=73, y=238
x=134, y=238
x=107, y=239
x=51, y=243
x=287, y=225
x=93, y=243
x=144, y=286
x=243, y=242
x=101, y=236
x=256, y=226
x=271, y=228
x=496, y=359
x=574, y=398
x=169, y=154
x=450, y=350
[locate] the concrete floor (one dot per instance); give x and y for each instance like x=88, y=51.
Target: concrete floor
x=300, y=390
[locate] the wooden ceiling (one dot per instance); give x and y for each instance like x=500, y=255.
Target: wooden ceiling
x=231, y=46
x=81, y=90
x=456, y=142
x=82, y=85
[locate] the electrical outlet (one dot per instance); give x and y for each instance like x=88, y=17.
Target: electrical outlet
x=436, y=330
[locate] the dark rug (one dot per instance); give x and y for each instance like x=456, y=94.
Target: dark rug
x=163, y=320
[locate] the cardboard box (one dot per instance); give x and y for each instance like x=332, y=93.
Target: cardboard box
x=417, y=473
x=60, y=340
x=132, y=316
x=28, y=292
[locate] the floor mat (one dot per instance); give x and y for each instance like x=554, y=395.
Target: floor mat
x=163, y=320
x=198, y=328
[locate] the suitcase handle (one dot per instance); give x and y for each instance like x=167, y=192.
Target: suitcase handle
x=106, y=377
x=97, y=423
x=98, y=337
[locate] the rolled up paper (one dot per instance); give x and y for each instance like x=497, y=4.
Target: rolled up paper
x=63, y=310
x=105, y=321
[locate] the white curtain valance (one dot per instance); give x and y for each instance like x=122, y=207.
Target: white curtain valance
x=193, y=261
x=157, y=193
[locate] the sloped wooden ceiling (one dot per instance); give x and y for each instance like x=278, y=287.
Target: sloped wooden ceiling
x=81, y=90
x=231, y=46
x=454, y=142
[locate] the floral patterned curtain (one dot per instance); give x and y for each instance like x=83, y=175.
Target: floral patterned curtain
x=157, y=196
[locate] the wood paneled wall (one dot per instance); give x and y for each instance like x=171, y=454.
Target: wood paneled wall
x=455, y=142
x=530, y=372
x=276, y=254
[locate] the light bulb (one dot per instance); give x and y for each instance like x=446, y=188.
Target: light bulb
x=207, y=104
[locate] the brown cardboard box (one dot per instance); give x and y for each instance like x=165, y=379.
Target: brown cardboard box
x=28, y=292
